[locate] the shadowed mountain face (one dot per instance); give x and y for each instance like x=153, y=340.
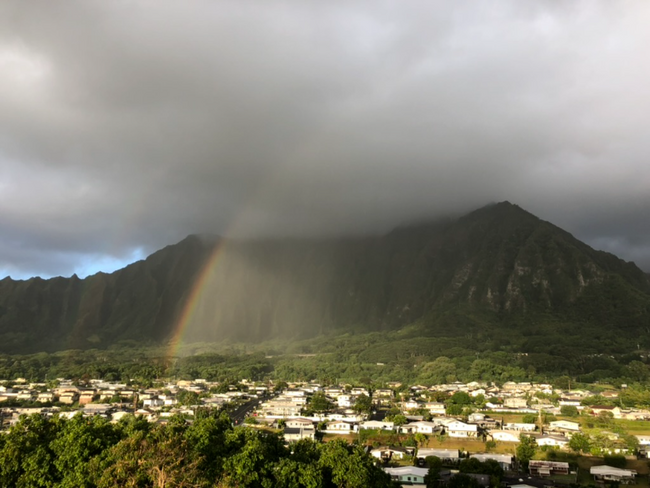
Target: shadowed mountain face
x=499, y=261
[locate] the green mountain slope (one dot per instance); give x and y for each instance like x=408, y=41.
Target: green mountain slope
x=496, y=269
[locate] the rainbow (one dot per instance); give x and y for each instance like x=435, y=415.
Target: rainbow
x=266, y=189
x=191, y=305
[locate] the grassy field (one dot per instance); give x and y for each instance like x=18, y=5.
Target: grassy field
x=471, y=445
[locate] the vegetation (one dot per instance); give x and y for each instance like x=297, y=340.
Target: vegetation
x=526, y=449
x=496, y=281
x=91, y=452
x=404, y=356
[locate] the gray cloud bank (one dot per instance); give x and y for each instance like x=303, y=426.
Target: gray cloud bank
x=126, y=125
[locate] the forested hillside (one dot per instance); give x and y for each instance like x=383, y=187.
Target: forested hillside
x=495, y=270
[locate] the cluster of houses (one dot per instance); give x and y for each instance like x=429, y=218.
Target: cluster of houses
x=292, y=402
x=287, y=409
x=112, y=399
x=539, y=470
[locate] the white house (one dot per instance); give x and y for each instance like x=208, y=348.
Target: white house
x=505, y=435
x=456, y=428
x=153, y=403
x=521, y=427
x=293, y=434
x=504, y=460
x=344, y=401
x=553, y=441
x=388, y=453
x=338, y=427
x=421, y=427
x=444, y=454
x=564, y=425
x=408, y=474
x=435, y=408
x=515, y=402
x=609, y=473
x=299, y=423
x=376, y=424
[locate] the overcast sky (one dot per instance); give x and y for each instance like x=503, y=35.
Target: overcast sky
x=126, y=125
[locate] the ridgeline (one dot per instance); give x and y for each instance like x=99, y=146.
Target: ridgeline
x=498, y=275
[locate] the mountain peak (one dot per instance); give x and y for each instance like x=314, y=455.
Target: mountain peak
x=499, y=262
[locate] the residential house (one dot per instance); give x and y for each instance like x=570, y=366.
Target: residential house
x=280, y=408
x=564, y=426
x=376, y=424
x=521, y=427
x=45, y=397
x=411, y=405
x=344, y=401
x=294, y=434
x=388, y=453
x=504, y=460
x=547, y=468
x=338, y=427
x=456, y=428
x=69, y=397
x=447, y=455
x=97, y=409
x=598, y=409
x=515, y=402
x=421, y=427
x=407, y=474
x=153, y=403
x=505, y=435
x=86, y=397
x=299, y=422
x=552, y=441
x=435, y=408
x=569, y=402
x=610, y=474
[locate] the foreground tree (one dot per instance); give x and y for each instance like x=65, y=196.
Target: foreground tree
x=526, y=450
x=580, y=443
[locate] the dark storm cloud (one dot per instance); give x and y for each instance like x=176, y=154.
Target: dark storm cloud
x=126, y=125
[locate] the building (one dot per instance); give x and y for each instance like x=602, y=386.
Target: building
x=388, y=453
x=564, y=426
x=547, y=468
x=504, y=460
x=407, y=474
x=505, y=435
x=447, y=455
x=294, y=434
x=515, y=402
x=422, y=427
x=376, y=424
x=552, y=441
x=609, y=473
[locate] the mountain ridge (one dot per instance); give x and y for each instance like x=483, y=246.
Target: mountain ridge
x=498, y=260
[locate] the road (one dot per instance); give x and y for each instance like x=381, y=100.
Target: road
x=239, y=414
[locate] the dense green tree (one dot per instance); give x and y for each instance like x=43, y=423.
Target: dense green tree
x=345, y=465
x=580, y=443
x=187, y=398
x=399, y=419
x=252, y=456
x=363, y=404
x=615, y=461
x=432, y=478
x=79, y=440
x=320, y=403
x=26, y=459
x=462, y=480
x=526, y=449
x=569, y=410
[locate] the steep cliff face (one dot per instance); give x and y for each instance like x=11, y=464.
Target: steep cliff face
x=499, y=259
